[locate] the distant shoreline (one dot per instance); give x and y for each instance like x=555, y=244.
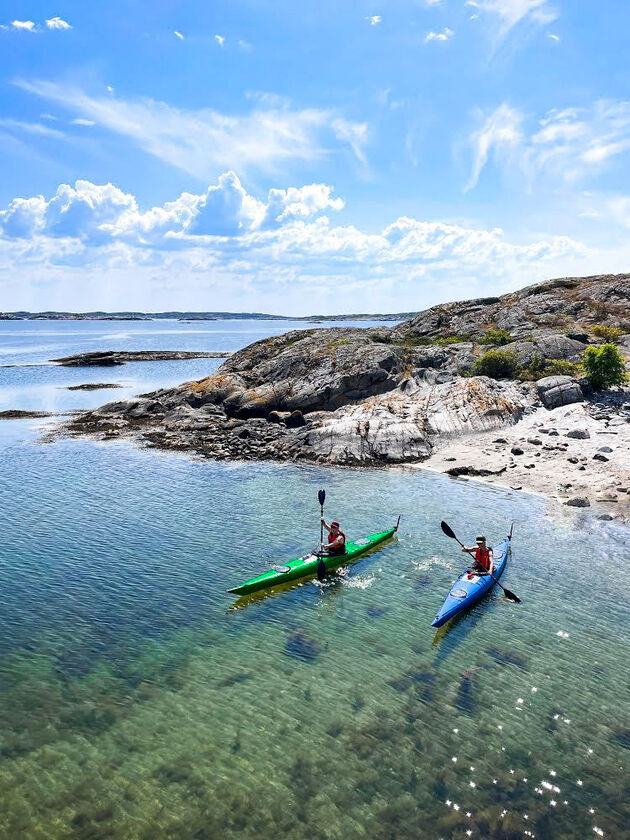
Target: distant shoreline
x=195, y=316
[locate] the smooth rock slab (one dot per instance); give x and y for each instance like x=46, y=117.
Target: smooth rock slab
x=555, y=391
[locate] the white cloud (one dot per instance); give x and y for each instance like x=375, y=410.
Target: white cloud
x=82, y=121
x=20, y=126
x=444, y=35
x=510, y=13
x=206, y=142
x=227, y=240
x=245, y=46
x=553, y=37
x=178, y=34
x=24, y=25
x=57, y=23
x=220, y=40
x=374, y=20
x=567, y=144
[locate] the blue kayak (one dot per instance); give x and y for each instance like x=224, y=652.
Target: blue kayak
x=467, y=591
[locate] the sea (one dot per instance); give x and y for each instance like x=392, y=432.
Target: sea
x=139, y=700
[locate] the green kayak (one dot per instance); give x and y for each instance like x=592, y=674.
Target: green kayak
x=306, y=566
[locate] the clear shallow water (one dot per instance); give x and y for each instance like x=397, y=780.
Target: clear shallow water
x=137, y=702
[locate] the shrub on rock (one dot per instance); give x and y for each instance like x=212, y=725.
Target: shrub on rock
x=604, y=367
x=609, y=334
x=497, y=364
x=496, y=337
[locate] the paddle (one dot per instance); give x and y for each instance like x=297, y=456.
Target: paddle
x=508, y=594
x=321, y=566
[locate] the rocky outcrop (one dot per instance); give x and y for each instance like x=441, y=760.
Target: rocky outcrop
x=375, y=396
x=109, y=358
x=564, y=304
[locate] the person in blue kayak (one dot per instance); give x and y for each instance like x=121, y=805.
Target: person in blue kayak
x=482, y=555
x=336, y=538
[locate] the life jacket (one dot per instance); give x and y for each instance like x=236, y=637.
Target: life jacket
x=338, y=549
x=482, y=558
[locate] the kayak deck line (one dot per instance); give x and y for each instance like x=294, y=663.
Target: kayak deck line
x=467, y=591
x=306, y=566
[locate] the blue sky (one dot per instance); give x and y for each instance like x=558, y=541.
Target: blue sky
x=309, y=157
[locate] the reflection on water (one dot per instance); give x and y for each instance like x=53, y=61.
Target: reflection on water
x=137, y=703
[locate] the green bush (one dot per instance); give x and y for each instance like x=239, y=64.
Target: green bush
x=604, y=366
x=497, y=364
x=561, y=367
x=452, y=339
x=496, y=337
x=609, y=334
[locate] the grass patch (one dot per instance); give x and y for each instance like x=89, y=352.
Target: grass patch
x=610, y=335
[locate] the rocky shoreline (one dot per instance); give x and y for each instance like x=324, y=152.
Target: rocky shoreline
x=415, y=394
x=110, y=358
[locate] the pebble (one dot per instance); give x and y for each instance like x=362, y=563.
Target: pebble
x=604, y=449
x=599, y=457
x=605, y=517
x=535, y=441
x=572, y=460
x=516, y=450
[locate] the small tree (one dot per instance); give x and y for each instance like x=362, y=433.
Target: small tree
x=497, y=364
x=604, y=367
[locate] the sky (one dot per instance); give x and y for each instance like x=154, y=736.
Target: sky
x=311, y=157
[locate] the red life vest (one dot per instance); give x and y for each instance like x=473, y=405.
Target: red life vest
x=482, y=558
x=338, y=549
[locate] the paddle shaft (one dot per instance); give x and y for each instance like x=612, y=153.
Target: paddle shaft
x=321, y=566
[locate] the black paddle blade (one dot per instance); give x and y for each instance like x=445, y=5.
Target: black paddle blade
x=321, y=569
x=322, y=497
x=511, y=596
x=447, y=530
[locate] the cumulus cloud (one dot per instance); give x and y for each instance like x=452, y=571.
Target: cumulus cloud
x=57, y=23
x=24, y=25
x=205, y=142
x=568, y=144
x=285, y=240
x=444, y=35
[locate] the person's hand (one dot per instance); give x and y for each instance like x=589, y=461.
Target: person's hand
x=323, y=521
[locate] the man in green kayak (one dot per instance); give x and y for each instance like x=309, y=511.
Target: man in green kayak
x=336, y=538
x=482, y=555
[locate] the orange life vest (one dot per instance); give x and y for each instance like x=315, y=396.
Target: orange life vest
x=482, y=558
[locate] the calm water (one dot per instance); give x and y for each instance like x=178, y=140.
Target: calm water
x=138, y=702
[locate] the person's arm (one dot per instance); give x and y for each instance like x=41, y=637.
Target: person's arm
x=470, y=551
x=325, y=524
x=491, y=561
x=336, y=543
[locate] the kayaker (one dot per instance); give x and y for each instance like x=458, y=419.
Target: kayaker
x=482, y=555
x=336, y=538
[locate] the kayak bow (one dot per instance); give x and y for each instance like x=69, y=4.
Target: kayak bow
x=465, y=592
x=303, y=567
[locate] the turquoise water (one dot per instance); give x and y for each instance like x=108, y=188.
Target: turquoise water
x=139, y=700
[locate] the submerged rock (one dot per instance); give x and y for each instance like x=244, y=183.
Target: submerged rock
x=302, y=647
x=506, y=657
x=464, y=699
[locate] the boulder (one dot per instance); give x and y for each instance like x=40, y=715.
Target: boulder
x=578, y=501
x=555, y=391
x=579, y=434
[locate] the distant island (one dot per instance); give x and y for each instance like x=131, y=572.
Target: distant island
x=195, y=316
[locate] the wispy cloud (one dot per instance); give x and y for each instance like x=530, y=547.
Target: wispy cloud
x=19, y=126
x=444, y=35
x=57, y=23
x=500, y=131
x=374, y=20
x=206, y=141
x=82, y=121
x=509, y=13
x=553, y=37
x=568, y=144
x=178, y=34
x=220, y=39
